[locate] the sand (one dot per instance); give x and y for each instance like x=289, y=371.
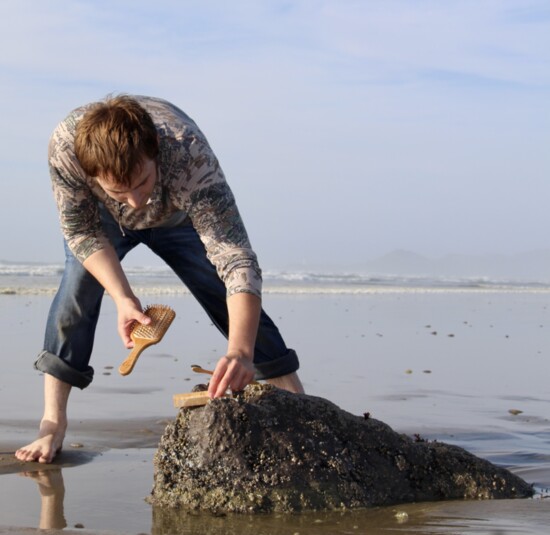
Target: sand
x=465, y=367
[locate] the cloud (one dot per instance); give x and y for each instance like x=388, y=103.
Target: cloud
x=364, y=113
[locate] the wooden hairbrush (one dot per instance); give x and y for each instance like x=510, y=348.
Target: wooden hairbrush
x=144, y=336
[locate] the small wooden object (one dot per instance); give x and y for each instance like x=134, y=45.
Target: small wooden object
x=192, y=399
x=198, y=369
x=144, y=336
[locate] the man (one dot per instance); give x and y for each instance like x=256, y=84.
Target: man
x=131, y=170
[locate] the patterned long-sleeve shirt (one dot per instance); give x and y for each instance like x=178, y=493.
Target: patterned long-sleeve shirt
x=190, y=183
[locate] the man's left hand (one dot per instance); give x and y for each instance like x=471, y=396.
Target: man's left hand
x=233, y=371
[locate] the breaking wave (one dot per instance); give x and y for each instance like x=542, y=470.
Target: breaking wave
x=36, y=278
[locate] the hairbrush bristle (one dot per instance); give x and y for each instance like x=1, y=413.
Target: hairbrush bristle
x=161, y=318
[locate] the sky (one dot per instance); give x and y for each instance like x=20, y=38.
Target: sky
x=347, y=129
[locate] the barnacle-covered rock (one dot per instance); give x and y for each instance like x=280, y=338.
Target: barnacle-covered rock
x=268, y=450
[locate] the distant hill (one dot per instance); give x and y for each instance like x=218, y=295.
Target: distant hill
x=530, y=266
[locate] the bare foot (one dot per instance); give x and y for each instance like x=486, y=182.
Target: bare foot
x=46, y=446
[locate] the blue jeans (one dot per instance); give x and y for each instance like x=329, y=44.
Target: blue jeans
x=74, y=312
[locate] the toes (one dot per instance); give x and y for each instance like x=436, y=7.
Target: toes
x=43, y=451
x=21, y=454
x=30, y=455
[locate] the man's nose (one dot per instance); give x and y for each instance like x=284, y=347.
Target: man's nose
x=134, y=199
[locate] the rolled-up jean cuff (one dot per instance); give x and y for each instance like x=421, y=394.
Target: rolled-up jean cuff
x=284, y=365
x=52, y=365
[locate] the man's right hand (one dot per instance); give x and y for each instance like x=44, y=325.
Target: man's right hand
x=105, y=266
x=129, y=310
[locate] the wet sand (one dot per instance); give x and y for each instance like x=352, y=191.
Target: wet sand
x=464, y=367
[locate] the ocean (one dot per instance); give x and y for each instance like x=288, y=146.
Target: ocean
x=20, y=278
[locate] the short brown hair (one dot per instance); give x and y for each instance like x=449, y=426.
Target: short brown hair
x=113, y=137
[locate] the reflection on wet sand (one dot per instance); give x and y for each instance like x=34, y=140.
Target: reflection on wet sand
x=52, y=496
x=422, y=519
x=506, y=517
x=102, y=476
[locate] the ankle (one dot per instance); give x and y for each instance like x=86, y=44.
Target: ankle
x=290, y=382
x=53, y=425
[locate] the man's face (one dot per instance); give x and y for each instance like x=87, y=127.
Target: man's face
x=138, y=194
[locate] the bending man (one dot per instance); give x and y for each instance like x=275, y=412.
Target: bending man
x=132, y=170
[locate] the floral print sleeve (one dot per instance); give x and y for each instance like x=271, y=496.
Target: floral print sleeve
x=190, y=183
x=76, y=204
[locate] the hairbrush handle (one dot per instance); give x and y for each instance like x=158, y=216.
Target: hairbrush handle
x=147, y=335
x=199, y=369
x=128, y=365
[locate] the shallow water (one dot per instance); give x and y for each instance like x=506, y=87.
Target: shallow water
x=107, y=494
x=449, y=367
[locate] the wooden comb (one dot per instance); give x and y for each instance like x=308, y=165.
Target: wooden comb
x=144, y=336
x=191, y=399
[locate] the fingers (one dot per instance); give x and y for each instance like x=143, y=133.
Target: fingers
x=142, y=318
x=231, y=372
x=124, y=330
x=128, y=313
